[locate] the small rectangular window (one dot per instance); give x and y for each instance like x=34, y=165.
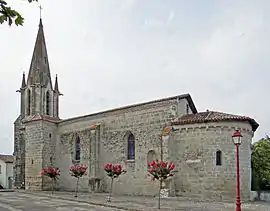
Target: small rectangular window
x=218, y=158
x=0, y=169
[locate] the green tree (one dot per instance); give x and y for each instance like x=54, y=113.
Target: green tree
x=261, y=163
x=7, y=14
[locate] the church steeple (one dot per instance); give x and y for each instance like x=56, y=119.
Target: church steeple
x=39, y=72
x=38, y=98
x=56, y=95
x=23, y=81
x=56, y=88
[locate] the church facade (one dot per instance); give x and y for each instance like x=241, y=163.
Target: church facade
x=199, y=143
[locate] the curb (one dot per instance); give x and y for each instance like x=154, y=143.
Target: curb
x=81, y=201
x=6, y=190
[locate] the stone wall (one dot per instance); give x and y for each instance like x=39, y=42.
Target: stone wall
x=108, y=144
x=65, y=151
x=3, y=178
x=49, y=150
x=40, y=149
x=263, y=196
x=194, y=152
x=19, y=153
x=33, y=155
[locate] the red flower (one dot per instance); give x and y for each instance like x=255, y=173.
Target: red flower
x=114, y=170
x=171, y=166
x=160, y=170
x=78, y=171
x=51, y=172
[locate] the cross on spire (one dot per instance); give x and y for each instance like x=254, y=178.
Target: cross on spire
x=40, y=8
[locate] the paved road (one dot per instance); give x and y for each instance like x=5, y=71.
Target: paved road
x=12, y=201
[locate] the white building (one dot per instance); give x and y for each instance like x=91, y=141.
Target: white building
x=6, y=171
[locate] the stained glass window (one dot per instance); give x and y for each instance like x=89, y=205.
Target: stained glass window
x=78, y=149
x=131, y=147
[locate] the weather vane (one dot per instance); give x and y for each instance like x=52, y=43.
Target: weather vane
x=40, y=8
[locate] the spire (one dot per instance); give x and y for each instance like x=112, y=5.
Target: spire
x=40, y=25
x=39, y=72
x=23, y=81
x=56, y=88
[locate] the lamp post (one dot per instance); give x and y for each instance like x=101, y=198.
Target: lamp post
x=237, y=142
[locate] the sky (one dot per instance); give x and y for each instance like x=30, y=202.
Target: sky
x=111, y=53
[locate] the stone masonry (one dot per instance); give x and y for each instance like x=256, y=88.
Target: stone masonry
x=144, y=121
x=194, y=151
x=42, y=140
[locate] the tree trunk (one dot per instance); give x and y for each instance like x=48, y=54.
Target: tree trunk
x=52, y=185
x=110, y=194
x=76, y=191
x=160, y=184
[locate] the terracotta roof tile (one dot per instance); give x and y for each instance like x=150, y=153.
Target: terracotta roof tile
x=7, y=158
x=213, y=116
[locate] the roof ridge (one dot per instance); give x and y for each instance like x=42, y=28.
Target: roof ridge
x=208, y=116
x=137, y=105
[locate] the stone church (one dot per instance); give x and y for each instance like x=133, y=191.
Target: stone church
x=199, y=143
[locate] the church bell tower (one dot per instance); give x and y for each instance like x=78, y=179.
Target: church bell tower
x=36, y=127
x=38, y=97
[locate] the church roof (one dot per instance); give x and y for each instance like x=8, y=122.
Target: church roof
x=7, y=158
x=39, y=72
x=183, y=96
x=23, y=81
x=213, y=116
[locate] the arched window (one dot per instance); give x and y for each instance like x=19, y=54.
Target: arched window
x=78, y=149
x=47, y=103
x=131, y=147
x=218, y=158
x=28, y=102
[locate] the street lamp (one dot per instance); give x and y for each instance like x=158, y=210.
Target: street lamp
x=237, y=142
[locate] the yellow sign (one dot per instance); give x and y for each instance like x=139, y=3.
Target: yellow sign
x=166, y=130
x=94, y=126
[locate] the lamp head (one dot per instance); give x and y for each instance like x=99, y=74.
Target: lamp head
x=237, y=136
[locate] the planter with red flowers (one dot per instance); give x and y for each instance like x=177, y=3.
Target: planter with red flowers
x=77, y=172
x=113, y=171
x=161, y=171
x=52, y=173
